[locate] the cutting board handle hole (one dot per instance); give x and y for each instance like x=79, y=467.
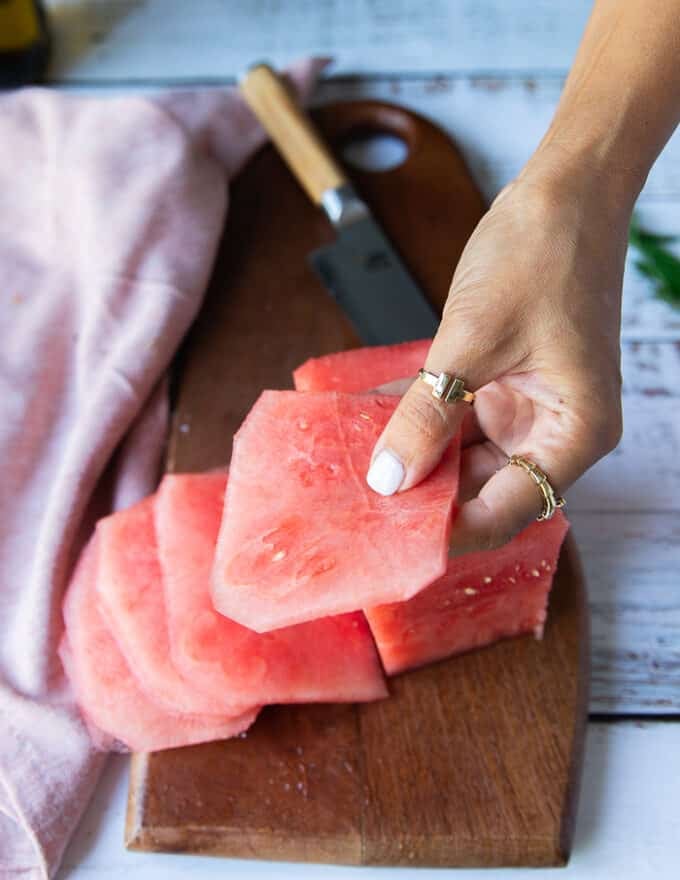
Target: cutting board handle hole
x=374, y=150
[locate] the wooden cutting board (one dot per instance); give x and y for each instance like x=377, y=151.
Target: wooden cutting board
x=472, y=761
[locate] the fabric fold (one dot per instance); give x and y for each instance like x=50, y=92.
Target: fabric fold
x=111, y=214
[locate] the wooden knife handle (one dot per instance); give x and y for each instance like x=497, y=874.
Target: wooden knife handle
x=291, y=131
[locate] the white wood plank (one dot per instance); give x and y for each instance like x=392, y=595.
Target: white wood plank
x=652, y=369
x=498, y=123
x=207, y=39
x=632, y=568
x=643, y=472
x=477, y=111
x=627, y=827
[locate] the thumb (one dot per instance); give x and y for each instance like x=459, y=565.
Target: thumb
x=422, y=426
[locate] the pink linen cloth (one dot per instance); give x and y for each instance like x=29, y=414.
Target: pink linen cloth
x=110, y=215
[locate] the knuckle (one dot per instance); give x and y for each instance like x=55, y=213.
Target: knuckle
x=500, y=527
x=602, y=430
x=460, y=320
x=424, y=415
x=612, y=432
x=607, y=427
x=494, y=536
x=478, y=335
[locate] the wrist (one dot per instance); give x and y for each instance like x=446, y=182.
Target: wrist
x=568, y=171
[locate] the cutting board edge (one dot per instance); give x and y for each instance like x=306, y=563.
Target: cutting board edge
x=570, y=551
x=134, y=829
x=554, y=849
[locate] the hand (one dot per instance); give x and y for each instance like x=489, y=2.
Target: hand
x=532, y=325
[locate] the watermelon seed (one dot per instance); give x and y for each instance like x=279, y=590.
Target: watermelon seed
x=365, y=415
x=487, y=579
x=278, y=556
x=303, y=425
x=535, y=572
x=512, y=580
x=470, y=591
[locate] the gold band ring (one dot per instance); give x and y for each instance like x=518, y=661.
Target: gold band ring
x=446, y=387
x=551, y=500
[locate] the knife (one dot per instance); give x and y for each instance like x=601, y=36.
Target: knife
x=361, y=269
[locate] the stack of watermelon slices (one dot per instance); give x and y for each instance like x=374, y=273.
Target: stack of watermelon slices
x=190, y=611
x=481, y=597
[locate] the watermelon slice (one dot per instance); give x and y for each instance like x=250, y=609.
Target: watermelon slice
x=331, y=659
x=362, y=368
x=482, y=597
x=302, y=535
x=105, y=688
x=130, y=587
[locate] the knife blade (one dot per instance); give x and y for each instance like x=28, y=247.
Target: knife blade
x=361, y=269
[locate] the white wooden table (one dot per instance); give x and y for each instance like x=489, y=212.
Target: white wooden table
x=490, y=72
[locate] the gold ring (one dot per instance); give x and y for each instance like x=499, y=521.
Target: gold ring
x=446, y=387
x=551, y=500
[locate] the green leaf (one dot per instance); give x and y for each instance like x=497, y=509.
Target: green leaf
x=644, y=269
x=656, y=262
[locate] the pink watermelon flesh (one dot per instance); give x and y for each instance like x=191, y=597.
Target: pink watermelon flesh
x=444, y=619
x=104, y=742
x=105, y=688
x=132, y=599
x=302, y=535
x=362, y=369
x=331, y=659
x=482, y=597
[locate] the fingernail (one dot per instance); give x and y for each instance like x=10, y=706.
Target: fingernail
x=386, y=473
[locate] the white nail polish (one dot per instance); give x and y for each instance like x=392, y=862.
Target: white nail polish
x=386, y=473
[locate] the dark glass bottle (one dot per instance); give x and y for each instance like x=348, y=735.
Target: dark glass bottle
x=24, y=42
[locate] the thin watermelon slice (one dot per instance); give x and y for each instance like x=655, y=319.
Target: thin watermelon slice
x=332, y=659
x=482, y=597
x=132, y=599
x=362, y=368
x=302, y=535
x=105, y=688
